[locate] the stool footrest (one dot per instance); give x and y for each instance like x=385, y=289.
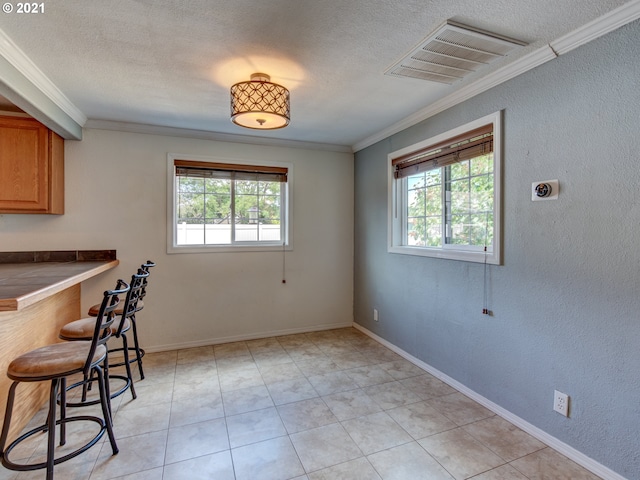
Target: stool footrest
x=86, y=403
x=37, y=466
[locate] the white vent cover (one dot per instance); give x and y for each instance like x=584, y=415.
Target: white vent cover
x=452, y=52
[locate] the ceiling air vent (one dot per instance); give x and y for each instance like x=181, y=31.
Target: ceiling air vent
x=452, y=52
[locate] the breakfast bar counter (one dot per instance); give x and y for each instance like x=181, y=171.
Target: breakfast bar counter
x=39, y=293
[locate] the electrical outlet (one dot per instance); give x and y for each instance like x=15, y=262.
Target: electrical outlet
x=561, y=403
x=375, y=314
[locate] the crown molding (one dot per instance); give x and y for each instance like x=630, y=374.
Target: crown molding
x=518, y=67
x=23, y=64
x=607, y=23
x=206, y=135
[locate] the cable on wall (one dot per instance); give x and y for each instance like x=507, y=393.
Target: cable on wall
x=284, y=280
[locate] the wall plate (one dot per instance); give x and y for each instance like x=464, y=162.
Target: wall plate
x=549, y=187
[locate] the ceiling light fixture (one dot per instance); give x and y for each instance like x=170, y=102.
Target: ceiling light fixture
x=260, y=104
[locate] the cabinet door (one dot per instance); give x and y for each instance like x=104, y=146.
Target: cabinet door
x=25, y=167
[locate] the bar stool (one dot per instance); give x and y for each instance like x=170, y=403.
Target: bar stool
x=55, y=363
x=139, y=352
x=82, y=330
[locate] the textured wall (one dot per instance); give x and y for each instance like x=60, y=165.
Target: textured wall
x=566, y=301
x=116, y=198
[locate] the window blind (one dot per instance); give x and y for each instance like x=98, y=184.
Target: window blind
x=463, y=147
x=192, y=168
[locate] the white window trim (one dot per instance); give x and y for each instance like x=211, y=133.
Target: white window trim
x=395, y=202
x=287, y=215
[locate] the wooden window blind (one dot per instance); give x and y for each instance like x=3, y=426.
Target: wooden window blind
x=463, y=147
x=193, y=168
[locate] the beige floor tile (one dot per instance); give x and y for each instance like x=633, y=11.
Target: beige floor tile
x=305, y=415
x=279, y=372
x=216, y=466
x=160, y=359
x=199, y=408
x=408, y=461
x=263, y=345
x=358, y=469
x=195, y=355
x=137, y=454
x=230, y=364
x=460, y=409
x=230, y=350
x=317, y=367
x=548, y=463
x=401, y=369
x=351, y=404
x=505, y=472
x=254, y=427
x=248, y=376
x=294, y=390
x=375, y=432
x=391, y=395
x=272, y=358
x=157, y=374
x=130, y=422
x=350, y=360
x=246, y=400
x=369, y=375
x=152, y=474
x=269, y=460
x=333, y=382
x=75, y=469
x=203, y=387
x=195, y=372
x=324, y=447
x=427, y=386
x=196, y=440
x=148, y=394
x=461, y=454
x=503, y=438
x=421, y=420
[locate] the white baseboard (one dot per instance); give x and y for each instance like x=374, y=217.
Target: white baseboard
x=566, y=450
x=241, y=338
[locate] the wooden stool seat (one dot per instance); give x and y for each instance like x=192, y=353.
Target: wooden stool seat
x=57, y=360
x=93, y=311
x=83, y=329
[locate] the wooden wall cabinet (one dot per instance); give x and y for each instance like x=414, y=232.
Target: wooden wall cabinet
x=31, y=167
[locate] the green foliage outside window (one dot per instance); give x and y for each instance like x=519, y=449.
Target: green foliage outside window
x=466, y=188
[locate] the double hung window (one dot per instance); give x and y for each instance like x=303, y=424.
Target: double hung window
x=444, y=195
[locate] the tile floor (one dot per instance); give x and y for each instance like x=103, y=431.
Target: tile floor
x=326, y=405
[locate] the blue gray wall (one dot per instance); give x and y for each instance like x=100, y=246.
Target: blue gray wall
x=566, y=300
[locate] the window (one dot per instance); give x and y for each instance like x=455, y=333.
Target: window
x=444, y=195
x=227, y=205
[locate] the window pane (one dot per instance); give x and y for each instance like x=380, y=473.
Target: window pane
x=460, y=229
x=190, y=207
x=433, y=199
x=482, y=193
x=460, y=170
x=482, y=164
x=416, y=231
x=416, y=203
x=190, y=184
x=415, y=181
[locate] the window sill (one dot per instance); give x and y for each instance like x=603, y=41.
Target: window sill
x=447, y=254
x=227, y=248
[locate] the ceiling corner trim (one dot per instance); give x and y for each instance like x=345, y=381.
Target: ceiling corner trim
x=129, y=127
x=23, y=64
x=609, y=22
x=518, y=67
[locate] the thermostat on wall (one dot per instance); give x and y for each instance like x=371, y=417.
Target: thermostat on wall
x=545, y=190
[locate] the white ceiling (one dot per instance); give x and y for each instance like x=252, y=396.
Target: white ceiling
x=170, y=63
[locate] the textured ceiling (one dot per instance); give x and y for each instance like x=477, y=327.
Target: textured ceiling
x=171, y=62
